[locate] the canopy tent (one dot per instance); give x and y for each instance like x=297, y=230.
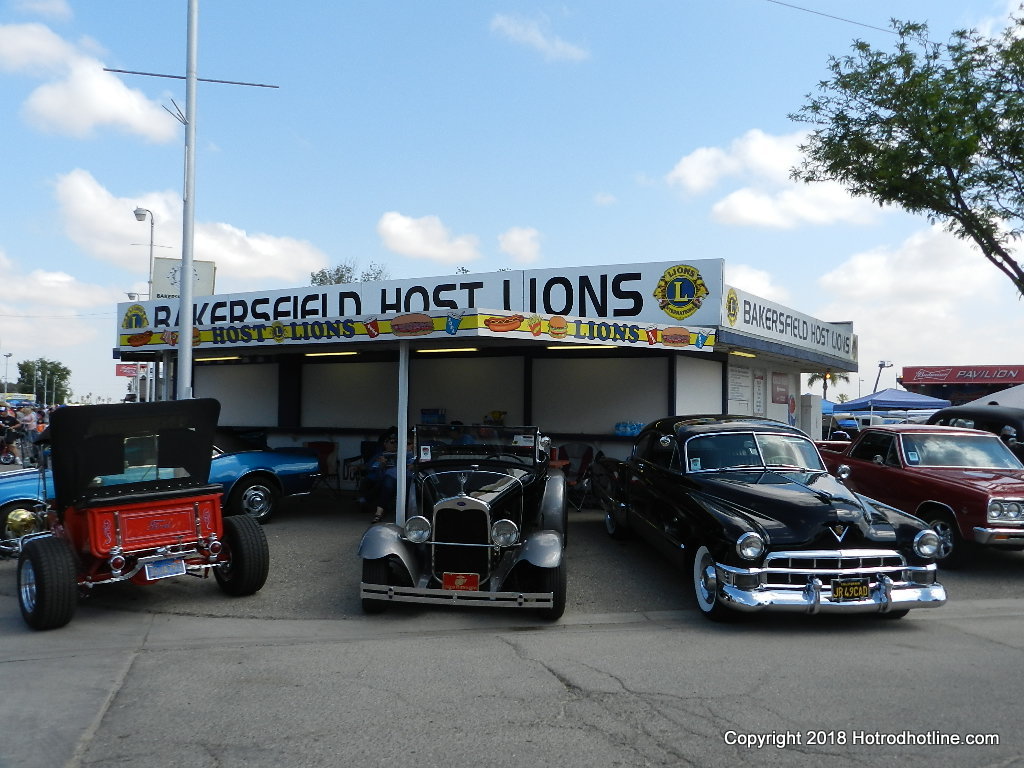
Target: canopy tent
x=828, y=407
x=893, y=400
x=1013, y=397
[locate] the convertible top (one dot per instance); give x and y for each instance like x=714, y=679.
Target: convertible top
x=100, y=451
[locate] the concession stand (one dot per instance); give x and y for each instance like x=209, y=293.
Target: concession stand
x=585, y=353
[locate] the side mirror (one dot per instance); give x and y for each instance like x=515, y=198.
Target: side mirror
x=843, y=471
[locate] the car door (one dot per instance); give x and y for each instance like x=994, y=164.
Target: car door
x=658, y=496
x=875, y=467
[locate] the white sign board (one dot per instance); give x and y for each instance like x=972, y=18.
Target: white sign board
x=167, y=278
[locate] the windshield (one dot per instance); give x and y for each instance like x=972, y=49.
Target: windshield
x=440, y=442
x=739, y=450
x=974, y=451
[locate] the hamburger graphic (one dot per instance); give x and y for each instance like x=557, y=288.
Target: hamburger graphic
x=557, y=327
x=675, y=337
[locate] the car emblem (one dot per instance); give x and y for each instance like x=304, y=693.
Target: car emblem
x=839, y=531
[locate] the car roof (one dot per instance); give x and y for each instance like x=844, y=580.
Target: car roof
x=918, y=429
x=1004, y=413
x=696, y=424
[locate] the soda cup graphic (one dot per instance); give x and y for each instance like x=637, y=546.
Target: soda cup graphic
x=372, y=329
x=702, y=338
x=652, y=334
x=451, y=322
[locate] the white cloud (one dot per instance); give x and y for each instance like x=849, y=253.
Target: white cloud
x=104, y=226
x=58, y=10
x=756, y=281
x=929, y=301
x=604, y=199
x=521, y=243
x=768, y=198
x=425, y=238
x=80, y=97
x=531, y=34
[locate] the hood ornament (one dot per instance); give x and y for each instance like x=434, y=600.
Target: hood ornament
x=463, y=479
x=839, y=531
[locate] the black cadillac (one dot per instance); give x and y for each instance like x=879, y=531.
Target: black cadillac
x=746, y=506
x=485, y=525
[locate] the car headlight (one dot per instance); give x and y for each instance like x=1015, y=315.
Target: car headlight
x=750, y=546
x=995, y=510
x=1012, y=510
x=504, y=533
x=417, y=529
x=926, y=543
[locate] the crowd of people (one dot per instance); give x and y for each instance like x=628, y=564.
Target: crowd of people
x=20, y=427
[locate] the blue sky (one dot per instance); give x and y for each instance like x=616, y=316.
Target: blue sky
x=427, y=136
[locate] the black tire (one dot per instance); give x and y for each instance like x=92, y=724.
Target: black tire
x=255, y=497
x=953, y=550
x=47, y=583
x=612, y=526
x=553, y=580
x=247, y=562
x=705, y=587
x=375, y=572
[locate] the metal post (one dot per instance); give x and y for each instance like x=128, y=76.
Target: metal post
x=7, y=363
x=403, y=429
x=185, y=323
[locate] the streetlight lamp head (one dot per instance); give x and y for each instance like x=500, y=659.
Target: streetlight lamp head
x=140, y=214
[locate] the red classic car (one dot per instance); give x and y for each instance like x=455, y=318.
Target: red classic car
x=965, y=483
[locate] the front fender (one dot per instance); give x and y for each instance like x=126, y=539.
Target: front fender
x=543, y=549
x=386, y=541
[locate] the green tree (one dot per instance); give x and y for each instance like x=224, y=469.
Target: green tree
x=936, y=129
x=826, y=377
x=346, y=273
x=46, y=378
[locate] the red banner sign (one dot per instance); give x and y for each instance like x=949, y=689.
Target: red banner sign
x=964, y=374
x=126, y=369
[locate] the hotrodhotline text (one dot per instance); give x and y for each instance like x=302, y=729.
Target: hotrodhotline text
x=857, y=738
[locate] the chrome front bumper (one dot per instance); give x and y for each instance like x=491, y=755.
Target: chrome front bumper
x=801, y=581
x=995, y=537
x=532, y=600
x=885, y=596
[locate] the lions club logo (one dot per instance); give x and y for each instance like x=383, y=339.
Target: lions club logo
x=680, y=291
x=134, y=317
x=732, y=306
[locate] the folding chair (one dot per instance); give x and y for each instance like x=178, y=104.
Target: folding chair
x=327, y=457
x=577, y=472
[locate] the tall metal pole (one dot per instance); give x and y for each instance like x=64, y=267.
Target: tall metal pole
x=185, y=324
x=7, y=363
x=140, y=215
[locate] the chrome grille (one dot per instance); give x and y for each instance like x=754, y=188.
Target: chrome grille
x=461, y=541
x=796, y=569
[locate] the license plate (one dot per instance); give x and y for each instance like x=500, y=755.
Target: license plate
x=164, y=569
x=461, y=581
x=850, y=589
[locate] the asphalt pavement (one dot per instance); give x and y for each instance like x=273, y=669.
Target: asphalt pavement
x=177, y=673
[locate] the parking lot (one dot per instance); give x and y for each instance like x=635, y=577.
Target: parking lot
x=177, y=673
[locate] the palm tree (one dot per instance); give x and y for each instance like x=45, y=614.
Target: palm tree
x=825, y=377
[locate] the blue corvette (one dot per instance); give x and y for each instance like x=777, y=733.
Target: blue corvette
x=253, y=482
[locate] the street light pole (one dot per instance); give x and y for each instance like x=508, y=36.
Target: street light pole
x=140, y=215
x=7, y=362
x=881, y=364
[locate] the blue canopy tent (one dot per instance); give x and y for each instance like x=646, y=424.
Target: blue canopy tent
x=894, y=400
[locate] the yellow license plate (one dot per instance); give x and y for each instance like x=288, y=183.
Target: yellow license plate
x=850, y=589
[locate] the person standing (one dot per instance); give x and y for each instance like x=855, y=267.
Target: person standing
x=28, y=424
